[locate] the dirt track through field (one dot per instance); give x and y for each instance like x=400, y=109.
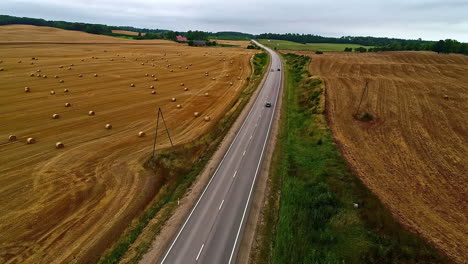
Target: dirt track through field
x=413, y=155
x=66, y=205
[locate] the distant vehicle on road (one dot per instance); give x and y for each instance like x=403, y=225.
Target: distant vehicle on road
x=268, y=104
x=279, y=69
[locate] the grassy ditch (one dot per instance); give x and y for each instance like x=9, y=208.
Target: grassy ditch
x=176, y=169
x=316, y=210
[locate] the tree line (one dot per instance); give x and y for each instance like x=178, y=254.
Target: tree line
x=441, y=46
x=310, y=38
x=89, y=28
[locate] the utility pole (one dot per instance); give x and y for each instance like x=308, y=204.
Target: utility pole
x=364, y=94
x=160, y=113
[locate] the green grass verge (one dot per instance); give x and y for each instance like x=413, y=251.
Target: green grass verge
x=310, y=215
x=176, y=169
x=289, y=45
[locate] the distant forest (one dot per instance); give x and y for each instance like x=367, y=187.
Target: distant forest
x=379, y=43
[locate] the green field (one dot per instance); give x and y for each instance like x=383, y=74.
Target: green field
x=289, y=45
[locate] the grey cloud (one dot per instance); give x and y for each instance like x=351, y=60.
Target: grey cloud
x=433, y=20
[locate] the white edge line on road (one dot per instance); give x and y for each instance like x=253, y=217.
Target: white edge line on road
x=235, y=173
x=199, y=252
x=221, y=205
x=219, y=166
x=256, y=172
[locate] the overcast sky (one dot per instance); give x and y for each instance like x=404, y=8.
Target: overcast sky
x=426, y=19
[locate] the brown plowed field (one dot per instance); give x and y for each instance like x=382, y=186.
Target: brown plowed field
x=62, y=205
x=414, y=154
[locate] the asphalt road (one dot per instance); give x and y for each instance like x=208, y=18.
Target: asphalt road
x=213, y=230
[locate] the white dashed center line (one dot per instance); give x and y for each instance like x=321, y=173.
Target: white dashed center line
x=235, y=173
x=221, y=205
x=199, y=252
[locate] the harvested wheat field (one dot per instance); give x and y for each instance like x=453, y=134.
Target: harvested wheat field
x=240, y=43
x=126, y=32
x=413, y=154
x=68, y=194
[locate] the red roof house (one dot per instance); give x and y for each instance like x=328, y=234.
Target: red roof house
x=180, y=38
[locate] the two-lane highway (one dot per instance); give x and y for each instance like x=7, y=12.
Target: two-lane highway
x=214, y=228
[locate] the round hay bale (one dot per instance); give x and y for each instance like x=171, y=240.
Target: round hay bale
x=61, y=66
x=52, y=92
x=59, y=145
x=238, y=78
x=108, y=126
x=171, y=70
x=182, y=84
x=69, y=68
x=82, y=59
x=61, y=81
x=38, y=70
x=32, y=74
x=80, y=75
x=179, y=106
x=38, y=75
x=207, y=118
x=44, y=76
x=112, y=59
x=55, y=76
x=67, y=104
x=132, y=85
x=95, y=75
x=72, y=64
x=153, y=92
x=30, y=140
x=146, y=74
x=1, y=69
x=65, y=90
x=26, y=89
x=186, y=67
x=91, y=113
x=185, y=89
x=55, y=116
x=151, y=86
x=11, y=138
x=19, y=61
x=196, y=114
x=155, y=79
x=142, y=63
x=231, y=83
x=446, y=97
x=213, y=78
x=190, y=64
x=173, y=99
x=206, y=94
x=152, y=75
x=141, y=134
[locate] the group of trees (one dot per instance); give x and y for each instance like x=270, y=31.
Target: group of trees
x=309, y=38
x=441, y=46
x=90, y=28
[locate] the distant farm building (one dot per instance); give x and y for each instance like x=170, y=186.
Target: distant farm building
x=199, y=43
x=180, y=38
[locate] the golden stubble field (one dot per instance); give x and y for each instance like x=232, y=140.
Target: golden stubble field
x=69, y=204
x=414, y=154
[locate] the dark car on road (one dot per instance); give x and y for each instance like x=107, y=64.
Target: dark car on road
x=268, y=104
x=279, y=69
